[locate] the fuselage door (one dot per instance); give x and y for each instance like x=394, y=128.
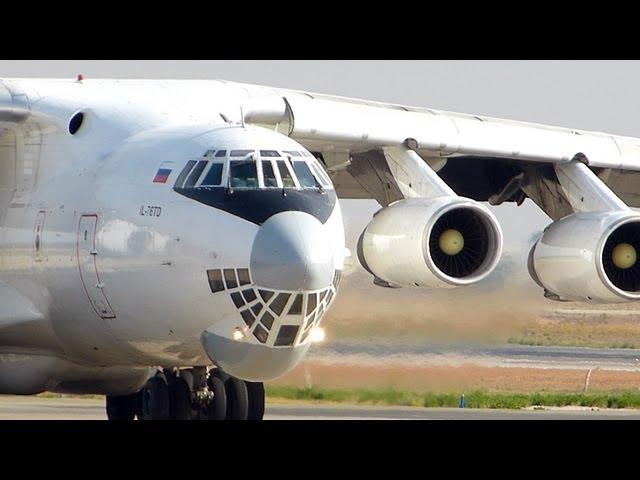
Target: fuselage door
x=88, y=263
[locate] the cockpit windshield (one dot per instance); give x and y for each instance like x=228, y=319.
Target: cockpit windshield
x=243, y=174
x=268, y=175
x=254, y=169
x=303, y=172
x=285, y=174
x=213, y=176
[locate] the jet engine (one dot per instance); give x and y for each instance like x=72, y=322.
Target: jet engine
x=444, y=241
x=590, y=257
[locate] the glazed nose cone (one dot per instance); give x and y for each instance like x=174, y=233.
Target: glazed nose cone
x=292, y=251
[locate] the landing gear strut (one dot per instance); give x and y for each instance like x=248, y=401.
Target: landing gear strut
x=190, y=394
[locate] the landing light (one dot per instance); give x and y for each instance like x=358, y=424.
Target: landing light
x=316, y=335
x=237, y=335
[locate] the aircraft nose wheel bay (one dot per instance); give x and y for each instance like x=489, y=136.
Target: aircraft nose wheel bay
x=174, y=244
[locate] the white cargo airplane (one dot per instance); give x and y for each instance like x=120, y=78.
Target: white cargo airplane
x=173, y=244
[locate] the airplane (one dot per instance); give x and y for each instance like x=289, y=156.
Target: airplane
x=173, y=244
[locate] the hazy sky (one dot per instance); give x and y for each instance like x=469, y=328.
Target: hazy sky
x=591, y=95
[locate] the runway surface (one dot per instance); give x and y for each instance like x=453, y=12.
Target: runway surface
x=67, y=408
x=37, y=408
x=522, y=356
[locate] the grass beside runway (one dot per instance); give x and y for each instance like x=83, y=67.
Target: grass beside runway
x=476, y=399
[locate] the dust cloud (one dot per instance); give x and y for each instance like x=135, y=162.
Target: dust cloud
x=490, y=311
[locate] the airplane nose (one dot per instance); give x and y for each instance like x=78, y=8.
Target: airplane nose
x=292, y=251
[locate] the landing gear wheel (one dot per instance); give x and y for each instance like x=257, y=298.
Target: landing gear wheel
x=155, y=399
x=255, y=392
x=121, y=407
x=180, y=400
x=217, y=409
x=237, y=399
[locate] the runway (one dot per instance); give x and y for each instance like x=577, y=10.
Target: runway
x=38, y=408
x=508, y=355
x=77, y=408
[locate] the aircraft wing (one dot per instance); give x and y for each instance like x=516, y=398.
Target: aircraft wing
x=347, y=132
x=329, y=122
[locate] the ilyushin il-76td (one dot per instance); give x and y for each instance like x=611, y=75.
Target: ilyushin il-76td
x=174, y=244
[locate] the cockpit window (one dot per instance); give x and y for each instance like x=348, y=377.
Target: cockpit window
x=183, y=174
x=285, y=174
x=269, y=153
x=251, y=168
x=305, y=177
x=319, y=172
x=269, y=177
x=243, y=173
x=293, y=153
x=195, y=174
x=240, y=153
x=213, y=176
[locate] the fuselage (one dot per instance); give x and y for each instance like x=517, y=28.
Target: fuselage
x=164, y=231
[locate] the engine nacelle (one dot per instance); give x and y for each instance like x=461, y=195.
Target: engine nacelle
x=590, y=257
x=437, y=242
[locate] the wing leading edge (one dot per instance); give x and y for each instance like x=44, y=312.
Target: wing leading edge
x=351, y=133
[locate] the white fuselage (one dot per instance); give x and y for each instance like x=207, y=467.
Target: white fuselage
x=119, y=267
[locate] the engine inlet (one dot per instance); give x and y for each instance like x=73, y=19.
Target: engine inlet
x=620, y=257
x=459, y=242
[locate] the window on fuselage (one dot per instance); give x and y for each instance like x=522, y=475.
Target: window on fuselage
x=243, y=174
x=320, y=173
x=183, y=174
x=269, y=153
x=240, y=153
x=285, y=175
x=293, y=153
x=305, y=177
x=279, y=169
x=195, y=174
x=268, y=174
x=213, y=176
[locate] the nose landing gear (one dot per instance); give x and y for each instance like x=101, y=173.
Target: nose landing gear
x=190, y=394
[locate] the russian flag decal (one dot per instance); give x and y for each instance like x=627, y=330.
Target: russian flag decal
x=163, y=173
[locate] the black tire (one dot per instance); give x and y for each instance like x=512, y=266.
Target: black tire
x=217, y=409
x=237, y=399
x=255, y=392
x=121, y=407
x=155, y=399
x=180, y=400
